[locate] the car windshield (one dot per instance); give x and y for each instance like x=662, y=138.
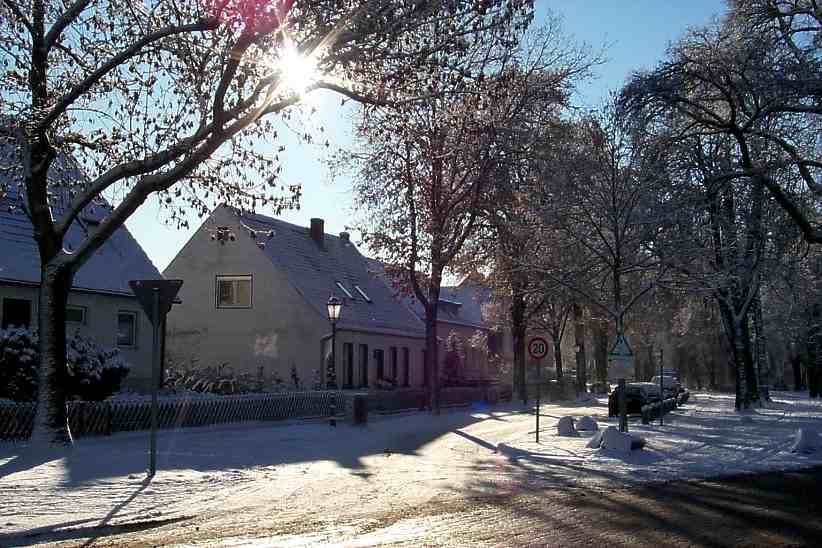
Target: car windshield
x=666, y=381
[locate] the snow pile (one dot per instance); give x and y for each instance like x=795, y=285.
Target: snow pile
x=565, y=427
x=807, y=441
x=587, y=423
x=595, y=441
x=509, y=451
x=615, y=441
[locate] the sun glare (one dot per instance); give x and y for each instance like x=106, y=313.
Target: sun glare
x=298, y=72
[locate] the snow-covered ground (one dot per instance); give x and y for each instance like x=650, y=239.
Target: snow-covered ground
x=233, y=473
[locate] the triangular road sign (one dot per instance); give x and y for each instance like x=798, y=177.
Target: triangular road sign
x=621, y=348
x=145, y=290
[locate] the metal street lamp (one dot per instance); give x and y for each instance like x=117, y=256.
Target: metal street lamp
x=334, y=308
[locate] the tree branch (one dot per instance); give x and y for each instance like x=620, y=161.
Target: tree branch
x=68, y=16
x=67, y=100
x=20, y=15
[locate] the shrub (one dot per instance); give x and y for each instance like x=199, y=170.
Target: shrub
x=94, y=373
x=211, y=380
x=18, y=364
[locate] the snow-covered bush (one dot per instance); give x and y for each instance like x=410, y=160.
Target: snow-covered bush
x=18, y=364
x=94, y=372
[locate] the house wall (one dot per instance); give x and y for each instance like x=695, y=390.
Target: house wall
x=374, y=342
x=279, y=331
x=101, y=325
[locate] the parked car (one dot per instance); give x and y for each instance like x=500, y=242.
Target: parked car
x=670, y=385
x=637, y=394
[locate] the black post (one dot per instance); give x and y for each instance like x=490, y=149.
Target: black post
x=332, y=367
x=661, y=389
x=155, y=381
x=539, y=394
x=623, y=405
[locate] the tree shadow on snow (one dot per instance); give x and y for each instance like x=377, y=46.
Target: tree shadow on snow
x=67, y=532
x=248, y=445
x=27, y=457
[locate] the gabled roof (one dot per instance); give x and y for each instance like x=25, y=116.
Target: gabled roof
x=471, y=299
x=109, y=270
x=460, y=305
x=315, y=271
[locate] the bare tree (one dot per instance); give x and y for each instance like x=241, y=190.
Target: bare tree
x=599, y=192
x=427, y=177
x=756, y=78
x=146, y=97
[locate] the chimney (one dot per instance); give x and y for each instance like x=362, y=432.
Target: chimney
x=344, y=236
x=318, y=232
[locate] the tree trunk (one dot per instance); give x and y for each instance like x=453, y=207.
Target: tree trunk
x=813, y=367
x=518, y=333
x=558, y=356
x=762, y=357
x=601, y=352
x=736, y=328
x=579, y=340
x=796, y=367
x=432, y=353
x=51, y=421
x=751, y=379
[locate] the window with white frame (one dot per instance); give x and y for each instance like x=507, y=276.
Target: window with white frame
x=362, y=293
x=345, y=290
x=76, y=314
x=126, y=328
x=233, y=291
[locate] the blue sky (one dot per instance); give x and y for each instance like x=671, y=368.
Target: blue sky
x=633, y=33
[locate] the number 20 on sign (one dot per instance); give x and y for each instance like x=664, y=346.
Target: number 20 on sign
x=537, y=348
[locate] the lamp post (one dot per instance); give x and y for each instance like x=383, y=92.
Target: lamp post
x=334, y=307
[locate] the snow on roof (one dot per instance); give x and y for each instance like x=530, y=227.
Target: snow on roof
x=118, y=260
x=315, y=272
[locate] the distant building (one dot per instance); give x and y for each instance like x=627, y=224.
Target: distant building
x=465, y=324
x=255, y=297
x=100, y=304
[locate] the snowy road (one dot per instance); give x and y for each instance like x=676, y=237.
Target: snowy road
x=237, y=482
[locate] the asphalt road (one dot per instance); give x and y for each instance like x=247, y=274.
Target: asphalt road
x=775, y=509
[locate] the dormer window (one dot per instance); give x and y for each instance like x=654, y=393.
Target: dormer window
x=450, y=307
x=344, y=290
x=361, y=292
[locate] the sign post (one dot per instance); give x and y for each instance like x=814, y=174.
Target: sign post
x=661, y=388
x=538, y=349
x=155, y=298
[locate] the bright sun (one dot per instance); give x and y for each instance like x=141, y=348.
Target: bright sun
x=298, y=72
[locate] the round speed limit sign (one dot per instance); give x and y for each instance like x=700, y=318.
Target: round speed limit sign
x=537, y=348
